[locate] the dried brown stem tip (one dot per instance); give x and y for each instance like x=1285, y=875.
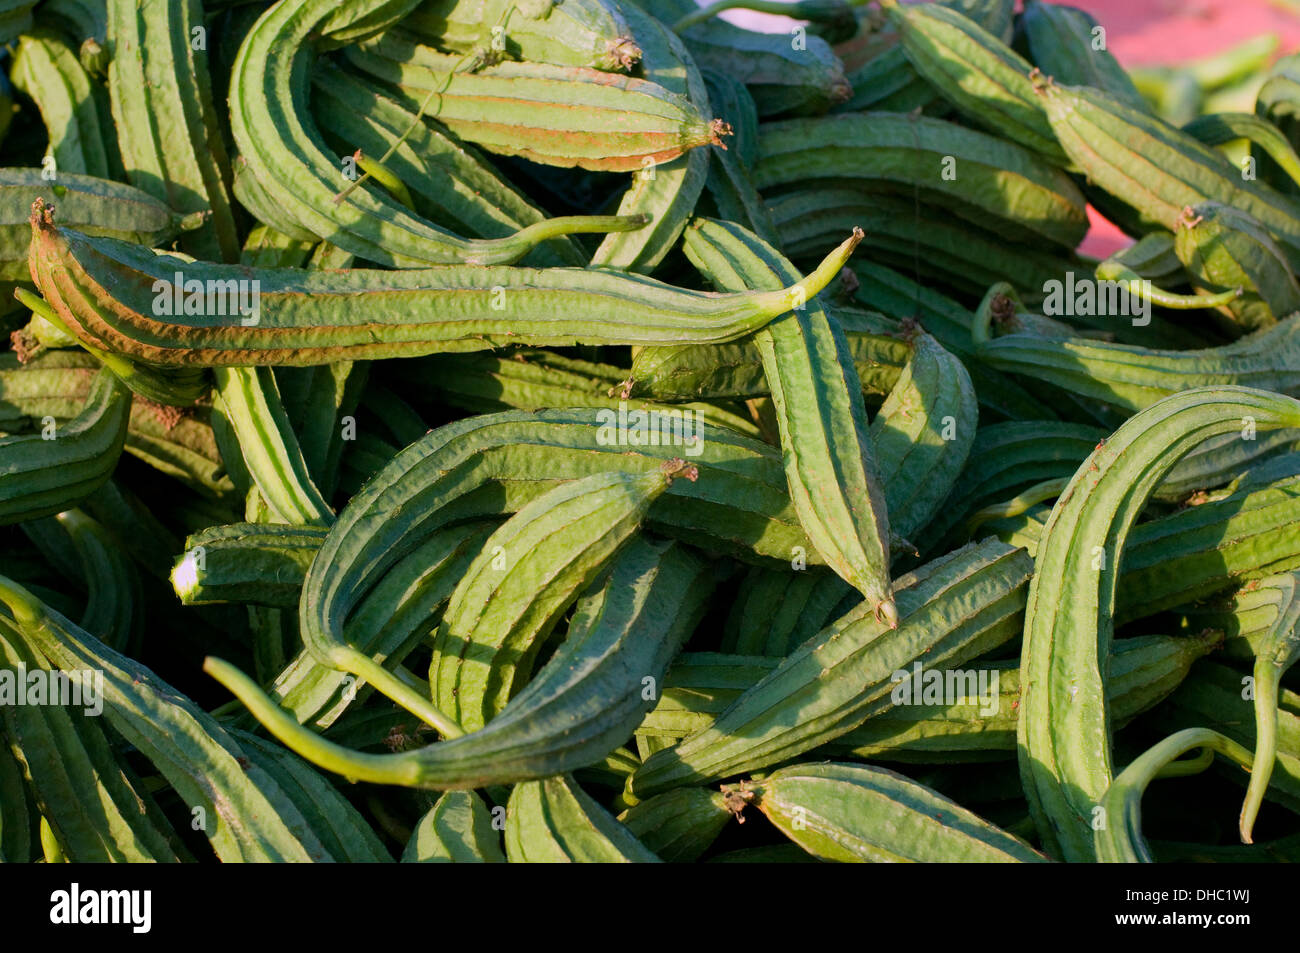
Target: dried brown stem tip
x=677, y=467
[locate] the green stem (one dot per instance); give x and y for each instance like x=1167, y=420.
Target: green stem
x=1141, y=288
x=354, y=765
x=345, y=658
x=1025, y=500
x=1267, y=678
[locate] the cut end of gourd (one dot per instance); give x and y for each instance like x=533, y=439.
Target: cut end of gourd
x=185, y=577
x=887, y=613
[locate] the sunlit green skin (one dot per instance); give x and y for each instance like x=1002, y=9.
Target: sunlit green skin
x=103, y=290
x=562, y=116
x=1278, y=101
x=591, y=33
x=41, y=476
x=977, y=72
x=829, y=463
x=494, y=464
x=452, y=185
x=1156, y=169
x=529, y=572
x=248, y=817
x=166, y=120
x=1223, y=248
x=295, y=181
x=555, y=821
x=1063, y=44
x=91, y=804
x=852, y=813
x=735, y=370
x=388, y=623
x=1195, y=552
x=537, y=379
x=923, y=435
x=666, y=189
x=47, y=70
x=994, y=183
x=679, y=825
x=951, y=610
x=1132, y=377
x=1144, y=670
x=1064, y=732
x=456, y=830
x=93, y=206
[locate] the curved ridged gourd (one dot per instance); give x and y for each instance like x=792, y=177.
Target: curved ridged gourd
x=47, y=70
x=1156, y=169
x=591, y=33
x=450, y=183
x=529, y=572
x=552, y=115
x=456, y=830
x=679, y=825
x=666, y=189
x=89, y=801
x=1223, y=248
x=1278, y=102
x=1063, y=43
x=248, y=817
x=586, y=699
x=166, y=122
x=555, y=821
x=92, y=206
x=493, y=464
x=386, y=625
x=975, y=71
x=300, y=181
x=1133, y=377
x=829, y=463
x=990, y=181
x=853, y=813
x=923, y=434
x=951, y=610
x=43, y=474
x=1064, y=731
x=698, y=687
x=107, y=294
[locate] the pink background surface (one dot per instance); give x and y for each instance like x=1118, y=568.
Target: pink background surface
x=1150, y=33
